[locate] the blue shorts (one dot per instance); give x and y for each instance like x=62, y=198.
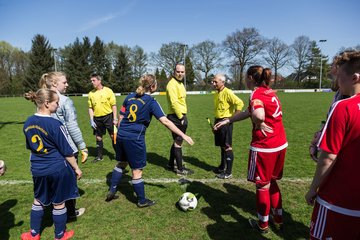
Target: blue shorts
x=131, y=151
x=57, y=187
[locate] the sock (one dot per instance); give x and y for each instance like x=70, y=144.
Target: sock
x=276, y=202
x=178, y=157
x=139, y=189
x=36, y=215
x=222, y=164
x=59, y=218
x=99, y=148
x=229, y=161
x=115, y=179
x=263, y=206
x=70, y=206
x=172, y=156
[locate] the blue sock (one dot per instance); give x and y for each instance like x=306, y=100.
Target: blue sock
x=36, y=215
x=115, y=179
x=59, y=218
x=139, y=189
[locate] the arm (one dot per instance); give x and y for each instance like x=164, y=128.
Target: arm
x=170, y=125
x=323, y=168
x=74, y=165
x=238, y=116
x=91, y=115
x=174, y=101
x=114, y=110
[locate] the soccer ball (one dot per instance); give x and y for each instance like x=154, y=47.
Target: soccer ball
x=187, y=201
x=2, y=167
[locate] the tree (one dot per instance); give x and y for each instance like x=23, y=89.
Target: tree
x=138, y=61
x=244, y=46
x=123, y=74
x=190, y=75
x=301, y=50
x=169, y=55
x=317, y=62
x=99, y=61
x=40, y=61
x=207, y=56
x=162, y=80
x=278, y=55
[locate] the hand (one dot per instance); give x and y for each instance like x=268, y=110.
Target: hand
x=221, y=123
x=115, y=121
x=264, y=128
x=84, y=155
x=78, y=173
x=313, y=149
x=310, y=197
x=189, y=140
x=93, y=124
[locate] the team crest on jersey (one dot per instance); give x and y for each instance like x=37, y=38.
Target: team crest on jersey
x=256, y=102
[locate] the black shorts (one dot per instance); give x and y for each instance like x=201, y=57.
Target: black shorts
x=104, y=123
x=223, y=136
x=177, y=122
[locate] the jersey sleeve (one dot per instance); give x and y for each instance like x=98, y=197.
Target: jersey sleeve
x=174, y=100
x=236, y=101
x=123, y=107
x=156, y=109
x=334, y=131
x=61, y=140
x=112, y=98
x=255, y=102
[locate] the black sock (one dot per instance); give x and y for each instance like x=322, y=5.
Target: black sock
x=223, y=159
x=229, y=161
x=178, y=157
x=172, y=156
x=99, y=148
x=70, y=205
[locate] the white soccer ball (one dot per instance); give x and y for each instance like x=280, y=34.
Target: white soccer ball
x=2, y=167
x=188, y=201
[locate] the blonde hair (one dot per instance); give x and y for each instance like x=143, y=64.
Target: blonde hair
x=145, y=83
x=48, y=80
x=40, y=96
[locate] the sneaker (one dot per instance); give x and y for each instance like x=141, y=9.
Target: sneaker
x=184, y=171
x=28, y=236
x=254, y=224
x=67, y=235
x=224, y=175
x=79, y=212
x=97, y=159
x=147, y=203
x=111, y=196
x=218, y=170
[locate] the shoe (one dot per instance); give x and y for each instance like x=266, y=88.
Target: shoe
x=111, y=196
x=28, y=236
x=67, y=235
x=223, y=175
x=97, y=159
x=277, y=226
x=79, y=212
x=184, y=171
x=218, y=170
x=147, y=203
x=254, y=224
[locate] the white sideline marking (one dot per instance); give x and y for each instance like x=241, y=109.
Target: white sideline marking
x=165, y=180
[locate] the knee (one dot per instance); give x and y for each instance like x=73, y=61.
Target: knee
x=136, y=173
x=59, y=206
x=121, y=165
x=228, y=148
x=178, y=143
x=98, y=138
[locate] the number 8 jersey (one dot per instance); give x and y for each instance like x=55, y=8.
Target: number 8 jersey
x=264, y=97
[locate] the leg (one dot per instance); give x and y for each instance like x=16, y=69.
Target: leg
x=115, y=180
x=276, y=203
x=139, y=189
x=60, y=218
x=171, y=158
x=263, y=205
x=36, y=216
x=99, y=148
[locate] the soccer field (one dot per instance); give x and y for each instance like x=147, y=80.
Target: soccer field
x=224, y=205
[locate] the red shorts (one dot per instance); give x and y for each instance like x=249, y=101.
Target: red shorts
x=264, y=167
x=327, y=224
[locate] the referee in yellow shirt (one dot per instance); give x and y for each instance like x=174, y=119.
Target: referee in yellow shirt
x=177, y=109
x=226, y=104
x=102, y=112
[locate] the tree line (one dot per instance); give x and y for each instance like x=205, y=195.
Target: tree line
x=122, y=66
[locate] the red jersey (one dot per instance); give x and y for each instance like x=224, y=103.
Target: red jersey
x=341, y=136
x=265, y=97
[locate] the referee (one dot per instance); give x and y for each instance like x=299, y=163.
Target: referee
x=226, y=104
x=177, y=109
x=102, y=112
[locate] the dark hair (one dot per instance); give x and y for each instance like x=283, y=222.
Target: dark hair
x=260, y=75
x=95, y=75
x=351, y=60
x=40, y=96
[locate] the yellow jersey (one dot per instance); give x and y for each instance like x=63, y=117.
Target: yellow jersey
x=101, y=101
x=176, y=98
x=226, y=103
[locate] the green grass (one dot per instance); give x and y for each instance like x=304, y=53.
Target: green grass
x=224, y=206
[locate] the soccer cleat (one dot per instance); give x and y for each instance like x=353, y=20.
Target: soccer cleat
x=184, y=171
x=97, y=159
x=218, y=170
x=224, y=175
x=79, y=212
x=111, y=196
x=147, y=203
x=254, y=224
x=67, y=235
x=28, y=236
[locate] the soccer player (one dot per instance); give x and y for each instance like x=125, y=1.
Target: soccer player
x=102, y=112
x=135, y=117
x=66, y=114
x=53, y=165
x=226, y=103
x=177, y=109
x=334, y=189
x=267, y=149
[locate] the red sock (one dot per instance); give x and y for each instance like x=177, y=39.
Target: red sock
x=263, y=206
x=276, y=202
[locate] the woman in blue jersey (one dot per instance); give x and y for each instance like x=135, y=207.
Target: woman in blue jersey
x=135, y=116
x=53, y=165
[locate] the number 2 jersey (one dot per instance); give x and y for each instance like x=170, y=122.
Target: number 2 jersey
x=47, y=140
x=137, y=112
x=264, y=97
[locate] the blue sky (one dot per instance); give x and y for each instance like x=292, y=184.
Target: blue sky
x=151, y=23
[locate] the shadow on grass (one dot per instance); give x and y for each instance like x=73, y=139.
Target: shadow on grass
x=3, y=124
x=7, y=218
x=93, y=153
